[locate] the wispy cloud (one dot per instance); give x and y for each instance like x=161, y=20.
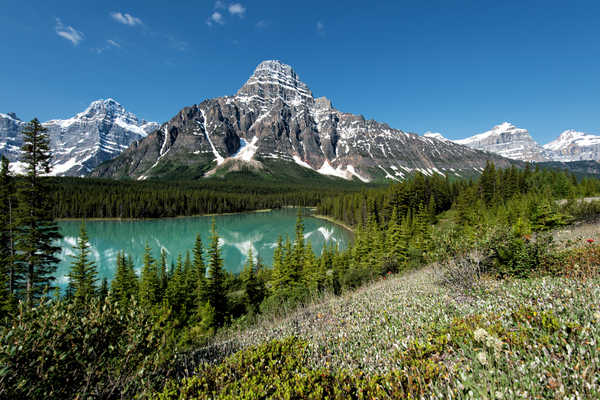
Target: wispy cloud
x=126, y=19
x=320, y=27
x=237, y=9
x=215, y=18
x=110, y=44
x=219, y=4
x=68, y=32
x=262, y=24
x=177, y=44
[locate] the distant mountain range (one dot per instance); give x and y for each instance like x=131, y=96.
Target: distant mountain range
x=82, y=142
x=515, y=143
x=274, y=124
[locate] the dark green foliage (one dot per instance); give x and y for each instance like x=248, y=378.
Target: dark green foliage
x=83, y=277
x=215, y=294
x=254, y=289
x=280, y=369
x=37, y=231
x=104, y=198
x=8, y=272
x=149, y=286
x=60, y=351
x=124, y=286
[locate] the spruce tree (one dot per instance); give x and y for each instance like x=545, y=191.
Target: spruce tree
x=124, y=284
x=8, y=276
x=35, y=249
x=84, y=275
x=253, y=289
x=215, y=288
x=149, y=287
x=200, y=269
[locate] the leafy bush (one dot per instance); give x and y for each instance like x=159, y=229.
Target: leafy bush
x=278, y=370
x=59, y=351
x=519, y=256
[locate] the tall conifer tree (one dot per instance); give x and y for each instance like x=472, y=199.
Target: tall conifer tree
x=83, y=277
x=35, y=249
x=215, y=289
x=8, y=276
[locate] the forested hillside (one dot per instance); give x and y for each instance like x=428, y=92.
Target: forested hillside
x=165, y=322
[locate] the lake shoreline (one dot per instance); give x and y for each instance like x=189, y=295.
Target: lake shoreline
x=333, y=221
x=262, y=210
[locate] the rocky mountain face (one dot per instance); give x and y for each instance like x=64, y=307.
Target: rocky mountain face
x=574, y=146
x=274, y=118
x=508, y=141
x=82, y=142
x=515, y=143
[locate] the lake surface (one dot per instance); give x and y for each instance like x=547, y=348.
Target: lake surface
x=238, y=232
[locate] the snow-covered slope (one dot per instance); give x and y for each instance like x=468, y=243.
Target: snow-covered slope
x=82, y=142
x=274, y=116
x=572, y=145
x=508, y=141
x=435, y=135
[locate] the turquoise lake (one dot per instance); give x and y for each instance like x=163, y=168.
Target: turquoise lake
x=258, y=231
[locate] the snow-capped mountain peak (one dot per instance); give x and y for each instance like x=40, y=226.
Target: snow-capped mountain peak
x=573, y=145
x=509, y=141
x=273, y=80
x=570, y=137
x=435, y=135
x=80, y=143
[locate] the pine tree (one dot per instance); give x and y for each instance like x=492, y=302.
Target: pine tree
x=124, y=284
x=277, y=279
x=164, y=274
x=215, y=288
x=200, y=270
x=84, y=275
x=35, y=249
x=254, y=292
x=103, y=291
x=149, y=287
x=7, y=252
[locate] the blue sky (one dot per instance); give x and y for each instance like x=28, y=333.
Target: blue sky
x=455, y=67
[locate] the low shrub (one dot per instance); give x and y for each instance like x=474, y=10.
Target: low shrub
x=59, y=351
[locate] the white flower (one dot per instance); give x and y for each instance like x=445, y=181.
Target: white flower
x=480, y=334
x=482, y=358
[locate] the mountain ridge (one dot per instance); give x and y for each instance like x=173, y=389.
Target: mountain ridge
x=275, y=113
x=80, y=143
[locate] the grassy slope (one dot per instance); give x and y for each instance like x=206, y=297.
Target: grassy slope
x=541, y=335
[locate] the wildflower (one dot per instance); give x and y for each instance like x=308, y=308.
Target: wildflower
x=499, y=394
x=494, y=343
x=567, y=292
x=482, y=358
x=480, y=334
x=597, y=315
x=590, y=241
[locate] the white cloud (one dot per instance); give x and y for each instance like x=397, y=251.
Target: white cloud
x=262, y=24
x=68, y=32
x=320, y=26
x=216, y=17
x=219, y=4
x=177, y=44
x=113, y=43
x=126, y=19
x=237, y=9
